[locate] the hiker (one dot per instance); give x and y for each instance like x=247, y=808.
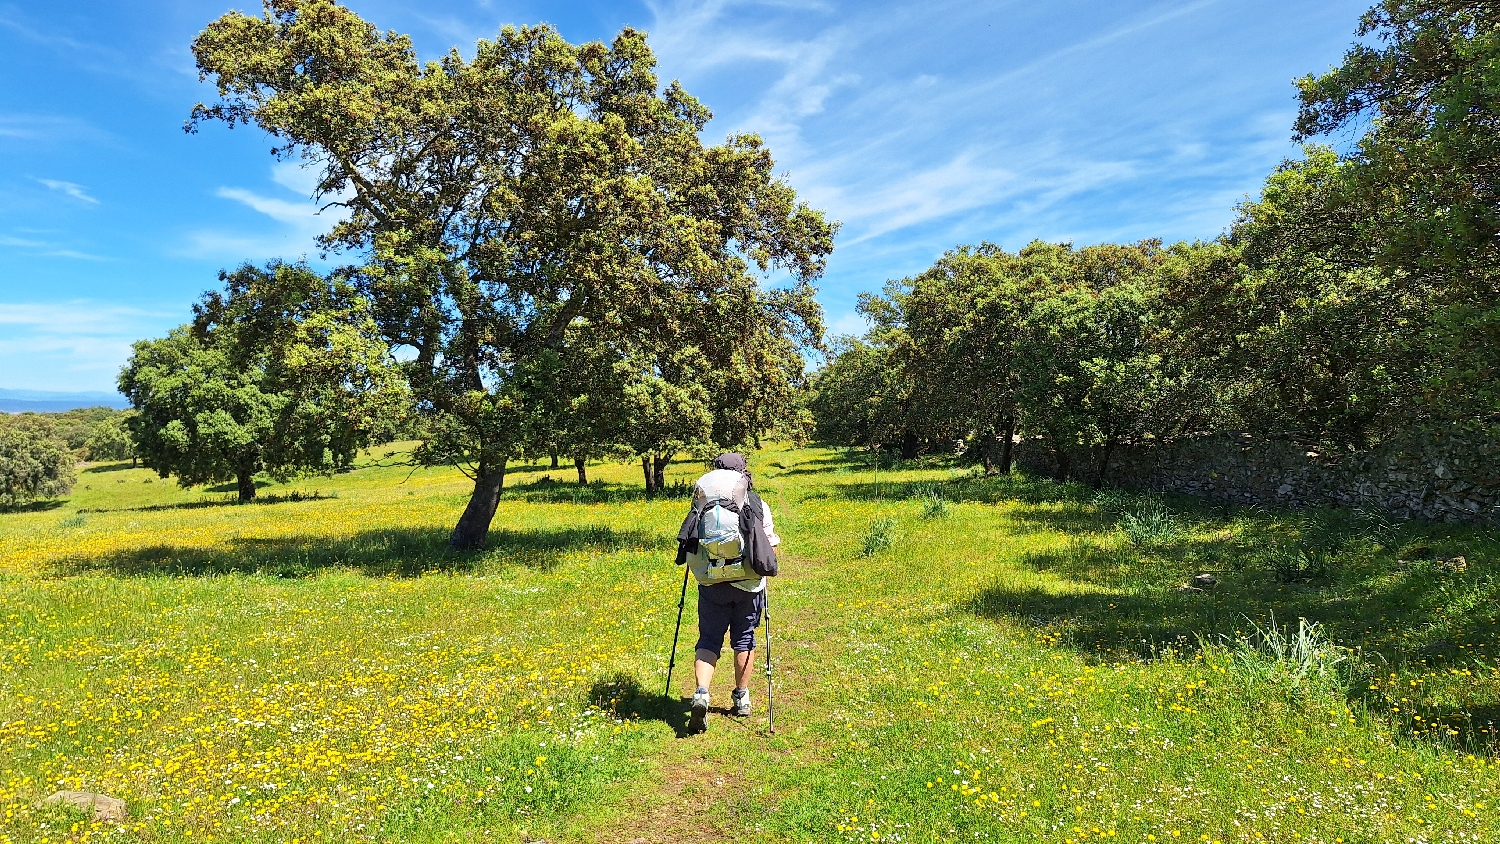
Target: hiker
x=728, y=541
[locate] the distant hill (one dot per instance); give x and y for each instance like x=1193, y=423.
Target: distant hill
x=47, y=401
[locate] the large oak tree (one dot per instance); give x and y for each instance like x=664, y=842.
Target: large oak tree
x=502, y=202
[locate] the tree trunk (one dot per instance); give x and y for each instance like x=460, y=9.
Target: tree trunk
x=650, y=479
x=554, y=461
x=1007, y=445
x=583, y=472
x=1109, y=448
x=474, y=525
x=1063, y=460
x=246, y=480
x=659, y=471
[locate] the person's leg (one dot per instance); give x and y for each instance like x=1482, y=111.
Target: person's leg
x=746, y=617
x=743, y=660
x=704, y=670
x=713, y=623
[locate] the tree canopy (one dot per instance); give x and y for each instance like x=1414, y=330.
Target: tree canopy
x=283, y=372
x=1078, y=346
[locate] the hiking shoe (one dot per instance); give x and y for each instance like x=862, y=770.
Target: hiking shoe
x=698, y=722
x=740, y=703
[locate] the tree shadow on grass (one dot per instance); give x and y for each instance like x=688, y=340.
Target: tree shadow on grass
x=547, y=491
x=1417, y=618
x=228, y=501
x=114, y=466
x=622, y=695
x=377, y=553
x=35, y=506
x=1410, y=612
x=810, y=466
x=978, y=489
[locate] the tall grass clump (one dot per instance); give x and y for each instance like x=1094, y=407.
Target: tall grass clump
x=1150, y=524
x=934, y=505
x=1295, y=565
x=1111, y=500
x=881, y=535
x=1297, y=660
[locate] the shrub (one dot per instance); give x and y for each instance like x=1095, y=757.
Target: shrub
x=33, y=467
x=881, y=535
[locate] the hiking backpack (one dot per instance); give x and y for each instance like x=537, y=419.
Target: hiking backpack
x=719, y=539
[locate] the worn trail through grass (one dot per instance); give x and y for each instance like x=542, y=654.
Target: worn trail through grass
x=1015, y=663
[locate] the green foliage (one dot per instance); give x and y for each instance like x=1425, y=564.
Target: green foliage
x=109, y=439
x=71, y=427
x=1086, y=348
x=34, y=466
x=858, y=398
x=284, y=372
x=1421, y=195
x=1424, y=77
x=1331, y=346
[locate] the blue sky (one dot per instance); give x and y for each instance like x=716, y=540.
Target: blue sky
x=919, y=125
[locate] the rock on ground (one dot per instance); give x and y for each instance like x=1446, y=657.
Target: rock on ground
x=104, y=807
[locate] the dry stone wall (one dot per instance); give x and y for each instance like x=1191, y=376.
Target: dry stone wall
x=1446, y=476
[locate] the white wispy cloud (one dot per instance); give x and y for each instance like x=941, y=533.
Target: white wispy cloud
x=84, y=341
x=299, y=220
x=912, y=151
x=76, y=316
x=302, y=215
x=48, y=248
x=72, y=189
x=694, y=39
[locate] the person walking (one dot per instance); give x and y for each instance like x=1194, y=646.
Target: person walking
x=728, y=541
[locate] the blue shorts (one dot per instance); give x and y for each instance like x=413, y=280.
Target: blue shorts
x=725, y=607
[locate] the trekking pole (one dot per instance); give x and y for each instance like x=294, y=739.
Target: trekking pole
x=672, y=663
x=770, y=689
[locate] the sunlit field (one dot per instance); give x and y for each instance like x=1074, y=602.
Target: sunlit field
x=956, y=658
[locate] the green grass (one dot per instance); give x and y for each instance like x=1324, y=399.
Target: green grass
x=957, y=658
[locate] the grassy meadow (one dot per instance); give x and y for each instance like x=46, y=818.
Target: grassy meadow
x=957, y=658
